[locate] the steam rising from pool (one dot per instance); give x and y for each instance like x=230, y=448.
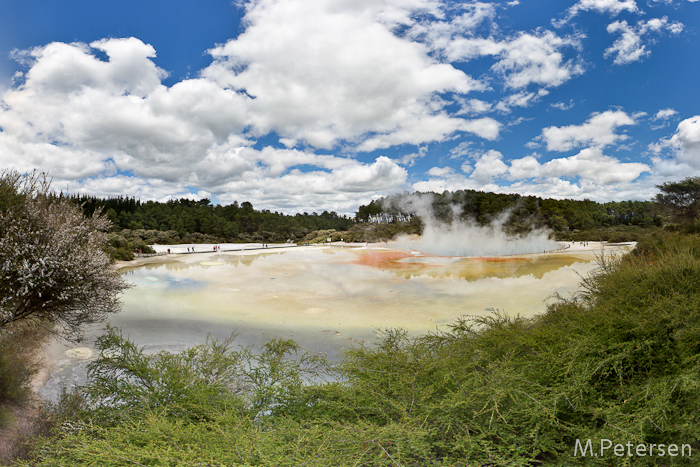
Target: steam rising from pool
x=469, y=238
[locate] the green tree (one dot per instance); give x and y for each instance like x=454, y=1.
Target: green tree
x=681, y=199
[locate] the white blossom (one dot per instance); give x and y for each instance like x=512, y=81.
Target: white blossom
x=52, y=267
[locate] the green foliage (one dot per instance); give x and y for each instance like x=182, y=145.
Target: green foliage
x=681, y=200
x=125, y=382
x=119, y=248
x=16, y=368
x=613, y=234
x=187, y=221
x=320, y=236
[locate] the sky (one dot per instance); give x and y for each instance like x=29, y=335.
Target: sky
x=313, y=105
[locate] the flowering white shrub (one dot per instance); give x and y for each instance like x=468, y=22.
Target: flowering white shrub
x=52, y=267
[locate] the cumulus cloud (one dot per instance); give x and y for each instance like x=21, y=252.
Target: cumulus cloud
x=537, y=58
x=73, y=108
x=588, y=174
x=589, y=164
x=271, y=179
x=528, y=58
x=110, y=127
x=473, y=106
x=630, y=46
x=599, y=130
x=321, y=75
x=488, y=166
x=686, y=141
x=440, y=171
x=342, y=188
x=320, y=71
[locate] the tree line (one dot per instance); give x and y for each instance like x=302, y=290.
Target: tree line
x=137, y=224
x=231, y=222
x=560, y=215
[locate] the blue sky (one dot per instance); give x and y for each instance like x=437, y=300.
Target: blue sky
x=311, y=105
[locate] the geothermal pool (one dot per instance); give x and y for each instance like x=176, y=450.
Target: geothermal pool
x=324, y=297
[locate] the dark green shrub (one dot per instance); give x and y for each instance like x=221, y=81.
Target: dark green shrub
x=17, y=343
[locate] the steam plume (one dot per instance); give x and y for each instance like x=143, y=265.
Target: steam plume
x=467, y=237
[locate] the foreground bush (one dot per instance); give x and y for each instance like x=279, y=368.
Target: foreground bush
x=619, y=362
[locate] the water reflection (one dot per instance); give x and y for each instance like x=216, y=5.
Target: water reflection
x=351, y=288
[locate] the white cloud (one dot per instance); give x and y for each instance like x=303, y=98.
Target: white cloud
x=109, y=126
x=463, y=21
x=461, y=150
x=432, y=128
x=521, y=99
x=599, y=130
x=58, y=69
x=664, y=114
x=410, y=159
x=554, y=187
x=489, y=166
x=271, y=180
x=451, y=182
x=341, y=189
x=563, y=105
x=361, y=74
x=321, y=71
x=473, y=106
x=589, y=164
x=537, y=58
x=524, y=59
x=611, y=7
x=630, y=46
x=588, y=174
x=440, y=171
x=686, y=141
x=664, y=117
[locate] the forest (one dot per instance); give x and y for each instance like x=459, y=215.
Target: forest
x=233, y=222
